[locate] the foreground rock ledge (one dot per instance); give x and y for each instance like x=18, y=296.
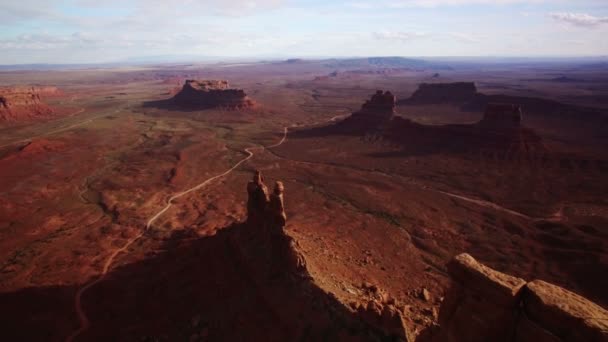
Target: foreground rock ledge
x=486, y=305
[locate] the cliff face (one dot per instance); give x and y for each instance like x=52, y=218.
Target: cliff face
x=485, y=305
x=25, y=103
x=211, y=94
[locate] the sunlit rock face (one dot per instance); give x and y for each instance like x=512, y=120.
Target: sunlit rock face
x=25, y=103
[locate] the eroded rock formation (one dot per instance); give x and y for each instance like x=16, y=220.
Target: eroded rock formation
x=382, y=104
x=374, y=114
x=486, y=305
x=211, y=94
x=25, y=103
x=266, y=240
x=257, y=199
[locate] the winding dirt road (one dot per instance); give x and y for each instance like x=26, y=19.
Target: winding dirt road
x=85, y=323
x=84, y=320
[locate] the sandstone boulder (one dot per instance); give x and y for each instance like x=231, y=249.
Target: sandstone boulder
x=498, y=287
x=485, y=305
x=564, y=313
x=481, y=304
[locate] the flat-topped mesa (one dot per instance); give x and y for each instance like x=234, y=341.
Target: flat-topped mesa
x=486, y=305
x=25, y=103
x=432, y=93
x=212, y=94
x=382, y=104
x=502, y=115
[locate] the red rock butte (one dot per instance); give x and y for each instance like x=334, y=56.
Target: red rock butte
x=211, y=94
x=25, y=103
x=382, y=104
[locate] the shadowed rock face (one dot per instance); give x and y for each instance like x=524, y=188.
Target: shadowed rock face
x=382, y=104
x=373, y=115
x=24, y=103
x=486, y=305
x=502, y=115
x=443, y=93
x=211, y=94
x=499, y=131
x=265, y=235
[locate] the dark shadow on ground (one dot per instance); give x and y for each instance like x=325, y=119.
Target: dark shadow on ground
x=227, y=287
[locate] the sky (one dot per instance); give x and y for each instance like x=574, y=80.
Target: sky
x=100, y=31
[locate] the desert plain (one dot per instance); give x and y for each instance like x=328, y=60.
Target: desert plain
x=117, y=207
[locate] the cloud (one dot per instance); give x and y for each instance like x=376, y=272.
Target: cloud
x=395, y=4
x=579, y=19
x=465, y=37
x=401, y=36
x=193, y=7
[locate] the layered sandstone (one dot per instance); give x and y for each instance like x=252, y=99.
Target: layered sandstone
x=486, y=305
x=25, y=103
x=211, y=94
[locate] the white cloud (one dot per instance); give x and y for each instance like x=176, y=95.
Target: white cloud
x=465, y=37
x=436, y=3
x=401, y=36
x=579, y=19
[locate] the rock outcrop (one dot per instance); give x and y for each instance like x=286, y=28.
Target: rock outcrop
x=25, y=103
x=266, y=240
x=433, y=93
x=380, y=310
x=374, y=114
x=381, y=105
x=500, y=132
x=486, y=305
x=201, y=94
